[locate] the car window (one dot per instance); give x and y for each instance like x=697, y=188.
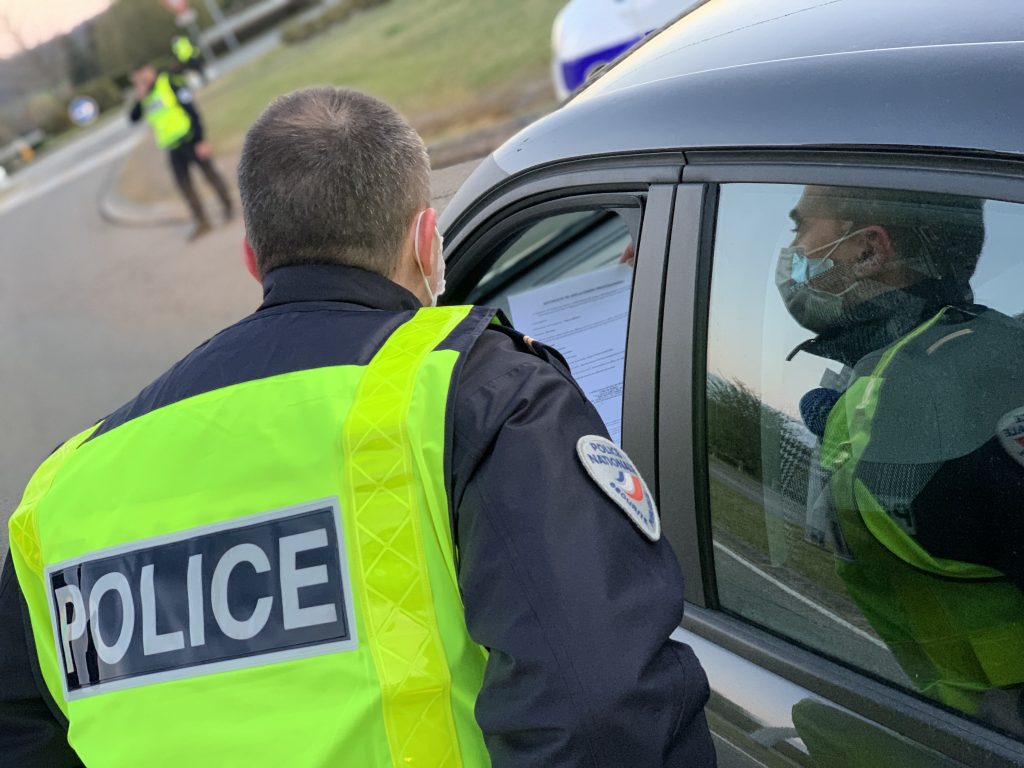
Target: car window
x=865, y=433
x=566, y=281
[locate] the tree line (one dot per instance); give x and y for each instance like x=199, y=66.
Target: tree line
x=94, y=59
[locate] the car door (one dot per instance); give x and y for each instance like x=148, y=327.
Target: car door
x=808, y=665
x=590, y=237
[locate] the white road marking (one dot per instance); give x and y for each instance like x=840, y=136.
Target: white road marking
x=37, y=190
x=678, y=635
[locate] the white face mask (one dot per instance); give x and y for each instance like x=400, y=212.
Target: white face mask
x=433, y=293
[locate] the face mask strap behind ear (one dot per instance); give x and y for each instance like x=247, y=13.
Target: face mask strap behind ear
x=419, y=263
x=806, y=267
x=847, y=234
x=438, y=267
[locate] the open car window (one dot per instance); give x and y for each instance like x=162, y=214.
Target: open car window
x=566, y=280
x=553, y=249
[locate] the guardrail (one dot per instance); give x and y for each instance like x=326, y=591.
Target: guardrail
x=255, y=17
x=17, y=148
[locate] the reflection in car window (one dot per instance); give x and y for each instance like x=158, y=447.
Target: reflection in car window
x=865, y=426
x=566, y=281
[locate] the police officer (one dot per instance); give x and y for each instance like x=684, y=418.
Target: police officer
x=923, y=469
x=351, y=529
x=167, y=105
x=188, y=55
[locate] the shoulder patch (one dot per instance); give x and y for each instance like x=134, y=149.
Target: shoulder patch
x=614, y=472
x=1010, y=431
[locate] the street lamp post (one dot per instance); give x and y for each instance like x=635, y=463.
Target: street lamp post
x=218, y=19
x=186, y=17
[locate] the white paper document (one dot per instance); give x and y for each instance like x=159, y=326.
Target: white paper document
x=585, y=319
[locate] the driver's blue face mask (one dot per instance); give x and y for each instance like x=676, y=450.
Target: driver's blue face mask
x=815, y=309
x=804, y=267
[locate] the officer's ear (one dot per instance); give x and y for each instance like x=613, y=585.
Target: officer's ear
x=876, y=251
x=249, y=259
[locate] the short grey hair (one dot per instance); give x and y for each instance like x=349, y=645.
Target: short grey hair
x=936, y=233
x=331, y=176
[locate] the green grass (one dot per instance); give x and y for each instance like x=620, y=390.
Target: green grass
x=739, y=521
x=448, y=65
x=736, y=515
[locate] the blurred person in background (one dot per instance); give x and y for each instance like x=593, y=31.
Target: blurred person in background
x=167, y=104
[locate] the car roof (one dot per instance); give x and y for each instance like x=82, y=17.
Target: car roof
x=913, y=74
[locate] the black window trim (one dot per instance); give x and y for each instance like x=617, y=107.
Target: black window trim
x=553, y=182
x=682, y=377
x=681, y=481
x=643, y=339
x=991, y=179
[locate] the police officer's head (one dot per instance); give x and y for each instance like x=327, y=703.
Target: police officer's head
x=333, y=176
x=851, y=245
x=143, y=78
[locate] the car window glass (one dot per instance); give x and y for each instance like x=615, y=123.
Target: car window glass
x=566, y=281
x=865, y=433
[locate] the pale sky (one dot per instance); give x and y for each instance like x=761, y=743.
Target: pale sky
x=39, y=20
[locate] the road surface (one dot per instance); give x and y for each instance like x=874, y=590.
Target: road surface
x=90, y=313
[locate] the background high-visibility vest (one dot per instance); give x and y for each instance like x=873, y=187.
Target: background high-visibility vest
x=956, y=628
x=170, y=122
x=146, y=552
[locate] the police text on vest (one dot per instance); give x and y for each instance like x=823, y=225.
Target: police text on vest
x=246, y=592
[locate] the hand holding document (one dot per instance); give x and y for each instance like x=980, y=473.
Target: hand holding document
x=584, y=318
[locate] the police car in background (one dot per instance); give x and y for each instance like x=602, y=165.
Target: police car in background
x=639, y=229
x=590, y=33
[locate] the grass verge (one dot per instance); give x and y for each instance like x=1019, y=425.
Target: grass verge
x=450, y=66
x=739, y=523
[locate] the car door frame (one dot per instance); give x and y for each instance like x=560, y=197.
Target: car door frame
x=566, y=186
x=684, y=491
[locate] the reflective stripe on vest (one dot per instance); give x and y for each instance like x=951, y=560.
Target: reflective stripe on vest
x=401, y=624
x=225, y=481
x=956, y=628
x=169, y=120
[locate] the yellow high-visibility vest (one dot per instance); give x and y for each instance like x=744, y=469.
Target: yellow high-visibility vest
x=169, y=120
x=263, y=574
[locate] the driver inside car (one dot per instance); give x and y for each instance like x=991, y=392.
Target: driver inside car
x=918, y=470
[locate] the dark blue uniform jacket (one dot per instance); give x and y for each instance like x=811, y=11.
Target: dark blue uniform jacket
x=575, y=605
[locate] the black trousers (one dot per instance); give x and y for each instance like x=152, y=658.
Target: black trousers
x=182, y=158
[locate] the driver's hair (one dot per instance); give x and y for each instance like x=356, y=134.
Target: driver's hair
x=931, y=232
